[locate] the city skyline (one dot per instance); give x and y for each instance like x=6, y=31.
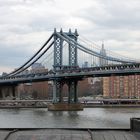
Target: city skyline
x=26, y=25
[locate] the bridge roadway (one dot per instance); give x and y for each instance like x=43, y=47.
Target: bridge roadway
x=117, y=70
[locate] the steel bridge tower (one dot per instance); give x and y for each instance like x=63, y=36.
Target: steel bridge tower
x=58, y=65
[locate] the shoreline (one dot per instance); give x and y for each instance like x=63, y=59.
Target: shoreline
x=112, y=106
x=85, y=106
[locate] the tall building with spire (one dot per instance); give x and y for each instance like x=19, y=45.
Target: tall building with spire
x=103, y=61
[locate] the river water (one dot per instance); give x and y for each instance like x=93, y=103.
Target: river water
x=89, y=118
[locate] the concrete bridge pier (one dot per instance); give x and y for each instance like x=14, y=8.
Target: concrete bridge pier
x=8, y=92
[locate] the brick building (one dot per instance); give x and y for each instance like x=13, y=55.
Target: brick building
x=121, y=86
x=36, y=90
x=90, y=87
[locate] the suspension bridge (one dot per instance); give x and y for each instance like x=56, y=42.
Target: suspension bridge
x=64, y=53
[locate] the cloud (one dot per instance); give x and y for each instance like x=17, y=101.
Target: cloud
x=113, y=14
x=26, y=24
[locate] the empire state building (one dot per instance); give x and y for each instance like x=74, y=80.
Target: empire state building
x=102, y=61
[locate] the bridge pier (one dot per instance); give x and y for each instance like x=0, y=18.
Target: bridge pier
x=72, y=103
x=7, y=92
x=57, y=91
x=72, y=91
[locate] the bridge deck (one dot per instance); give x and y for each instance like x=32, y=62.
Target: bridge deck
x=78, y=73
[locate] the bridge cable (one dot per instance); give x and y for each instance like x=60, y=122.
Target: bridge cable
x=93, y=52
x=81, y=47
x=31, y=57
x=108, y=51
x=49, y=58
x=34, y=60
x=69, y=40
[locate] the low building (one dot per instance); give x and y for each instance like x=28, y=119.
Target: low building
x=35, y=90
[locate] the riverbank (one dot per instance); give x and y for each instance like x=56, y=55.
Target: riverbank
x=84, y=105
x=111, y=105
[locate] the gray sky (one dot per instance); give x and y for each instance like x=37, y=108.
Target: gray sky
x=26, y=24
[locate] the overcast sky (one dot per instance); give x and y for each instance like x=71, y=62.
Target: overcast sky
x=26, y=24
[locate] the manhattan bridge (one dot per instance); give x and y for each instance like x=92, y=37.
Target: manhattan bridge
x=64, y=52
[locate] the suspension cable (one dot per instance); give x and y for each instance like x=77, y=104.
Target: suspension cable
x=49, y=58
x=108, y=51
x=30, y=58
x=68, y=39
x=34, y=60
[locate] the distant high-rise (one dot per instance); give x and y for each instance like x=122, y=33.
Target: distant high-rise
x=102, y=61
x=37, y=66
x=85, y=65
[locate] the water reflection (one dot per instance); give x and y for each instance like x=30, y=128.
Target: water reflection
x=11, y=111
x=89, y=118
x=57, y=113
x=40, y=112
x=73, y=113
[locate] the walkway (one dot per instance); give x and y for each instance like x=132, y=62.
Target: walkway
x=62, y=134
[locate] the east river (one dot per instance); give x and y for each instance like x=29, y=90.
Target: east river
x=89, y=118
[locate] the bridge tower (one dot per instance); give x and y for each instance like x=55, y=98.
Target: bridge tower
x=58, y=65
x=58, y=48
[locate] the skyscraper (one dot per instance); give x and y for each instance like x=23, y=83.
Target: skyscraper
x=102, y=61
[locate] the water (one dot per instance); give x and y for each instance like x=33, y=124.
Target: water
x=89, y=118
